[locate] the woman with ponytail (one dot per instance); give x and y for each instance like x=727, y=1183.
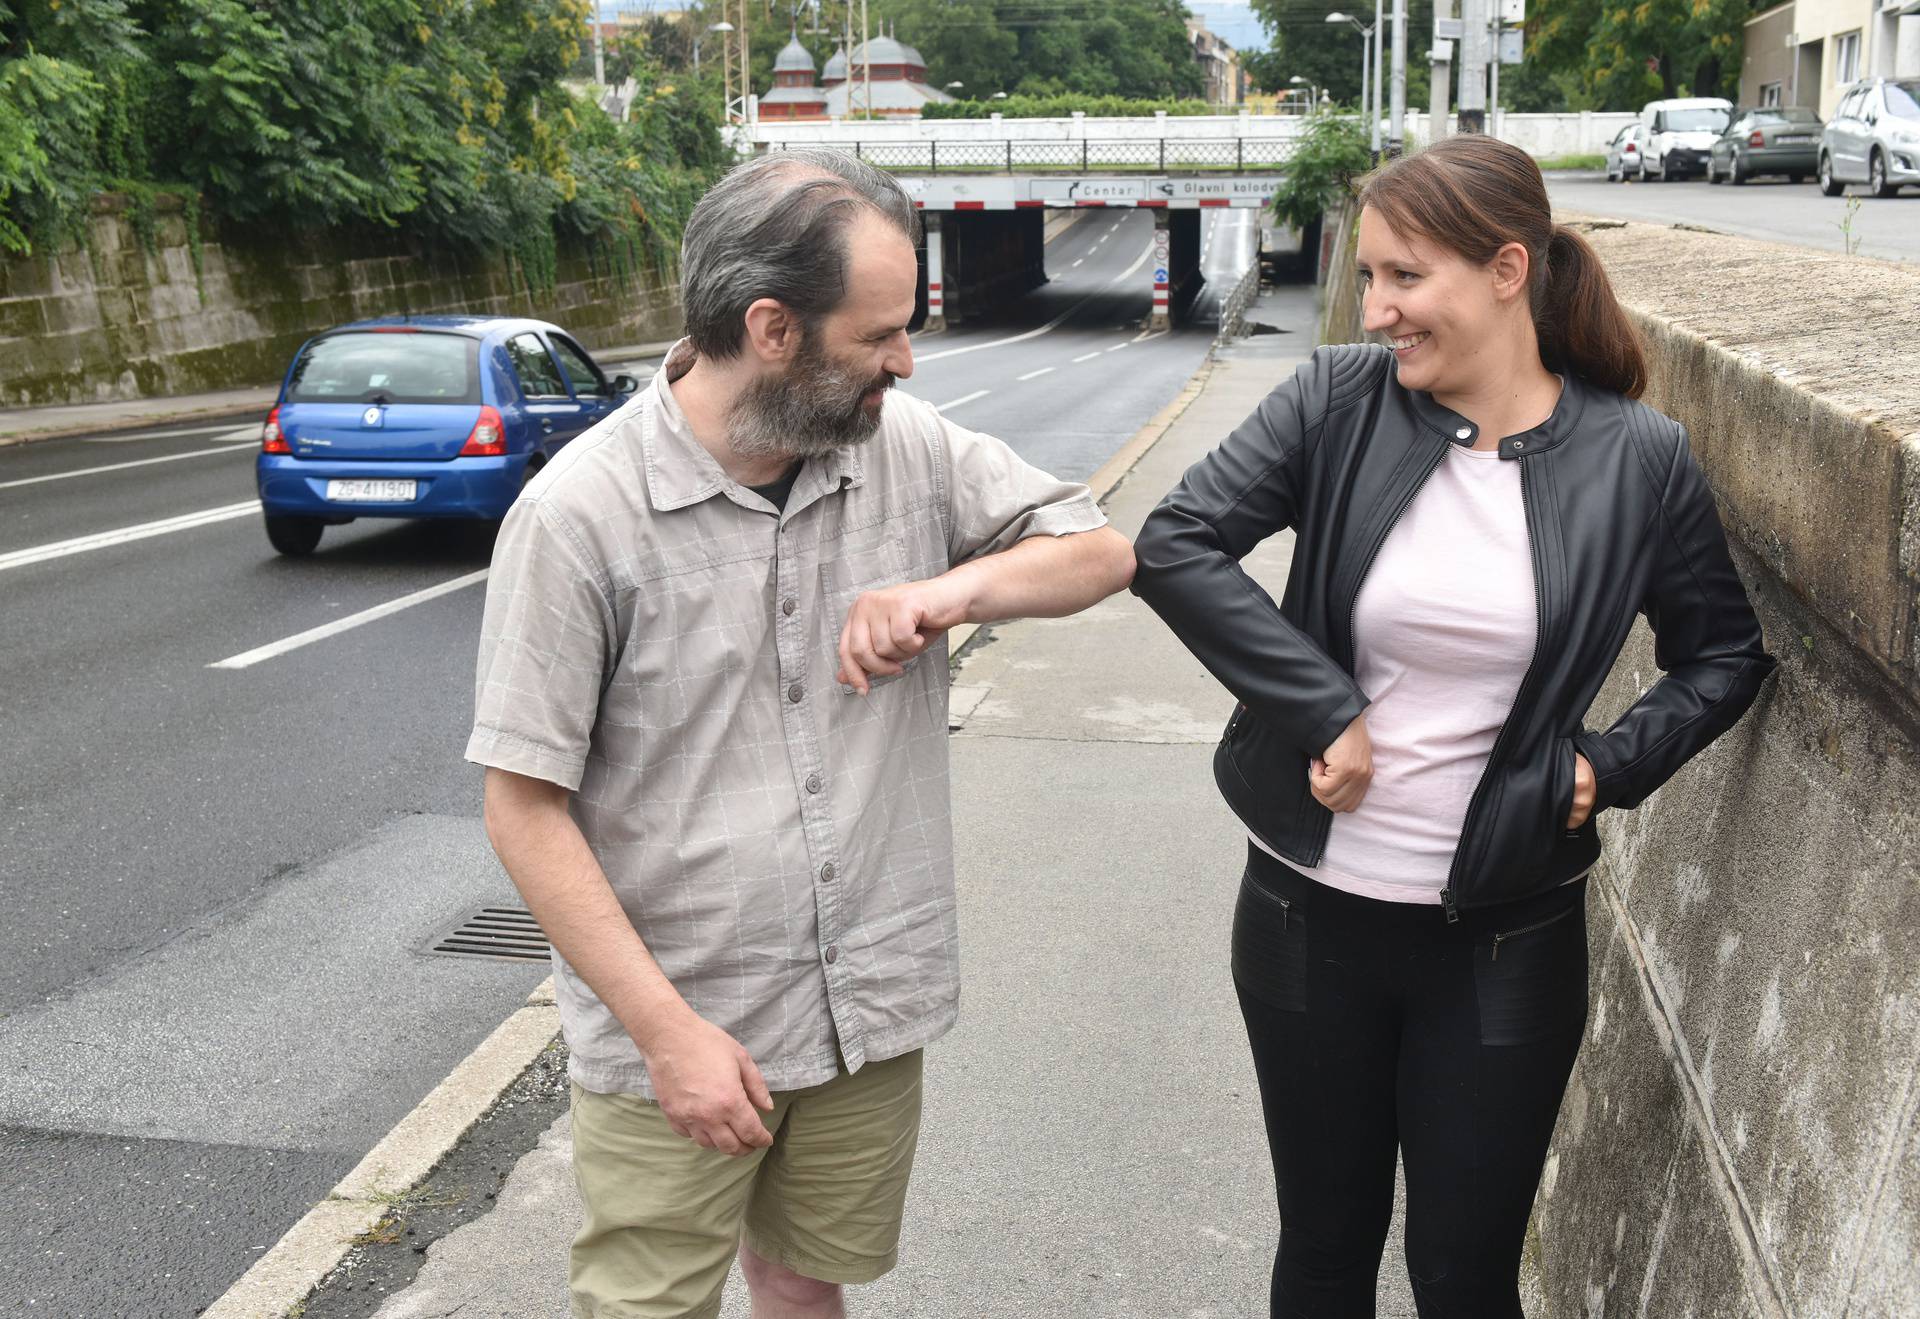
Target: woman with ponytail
x=1480, y=508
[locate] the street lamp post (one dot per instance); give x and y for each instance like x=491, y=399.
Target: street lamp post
x=722, y=29
x=1313, y=92
x=1366, y=65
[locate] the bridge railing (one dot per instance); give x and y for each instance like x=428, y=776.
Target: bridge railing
x=1223, y=155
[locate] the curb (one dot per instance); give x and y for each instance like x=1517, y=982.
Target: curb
x=312, y=1247
x=223, y=413
x=283, y=1277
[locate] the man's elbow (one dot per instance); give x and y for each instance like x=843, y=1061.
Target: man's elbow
x=1114, y=564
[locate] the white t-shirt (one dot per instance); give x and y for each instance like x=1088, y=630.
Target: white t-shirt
x=1444, y=627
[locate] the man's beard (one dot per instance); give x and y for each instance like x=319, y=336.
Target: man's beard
x=813, y=408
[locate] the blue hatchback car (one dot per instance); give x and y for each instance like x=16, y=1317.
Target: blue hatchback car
x=422, y=417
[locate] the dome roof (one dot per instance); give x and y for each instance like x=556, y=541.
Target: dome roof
x=837, y=65
x=793, y=58
x=884, y=50
x=913, y=56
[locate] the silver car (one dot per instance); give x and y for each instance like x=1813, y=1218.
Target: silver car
x=1873, y=138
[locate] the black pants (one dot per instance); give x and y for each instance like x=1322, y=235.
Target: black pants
x=1378, y=1026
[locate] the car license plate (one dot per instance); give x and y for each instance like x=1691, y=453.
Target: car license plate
x=371, y=492
x=1786, y=139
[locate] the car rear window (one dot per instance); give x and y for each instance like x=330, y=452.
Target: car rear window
x=389, y=367
x=1903, y=98
x=1789, y=114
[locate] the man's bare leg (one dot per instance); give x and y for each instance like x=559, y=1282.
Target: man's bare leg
x=780, y=1293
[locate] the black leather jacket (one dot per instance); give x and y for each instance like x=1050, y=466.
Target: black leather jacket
x=1620, y=522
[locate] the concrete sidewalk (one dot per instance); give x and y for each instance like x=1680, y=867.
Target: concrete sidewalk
x=21, y=425
x=1092, y=1144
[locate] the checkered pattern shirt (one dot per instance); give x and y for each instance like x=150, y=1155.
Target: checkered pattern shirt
x=662, y=642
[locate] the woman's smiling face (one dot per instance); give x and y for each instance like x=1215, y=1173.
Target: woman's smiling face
x=1442, y=315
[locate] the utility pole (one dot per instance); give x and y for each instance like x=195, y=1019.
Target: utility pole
x=1473, y=66
x=1442, y=56
x=1379, y=75
x=1493, y=75
x=746, y=84
x=1397, y=128
x=866, y=59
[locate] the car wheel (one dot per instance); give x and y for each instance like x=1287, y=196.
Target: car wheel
x=1829, y=185
x=294, y=536
x=1735, y=174
x=1640, y=174
x=1713, y=175
x=1877, y=175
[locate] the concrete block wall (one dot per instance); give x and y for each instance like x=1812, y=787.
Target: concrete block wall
x=1742, y=1134
x=111, y=319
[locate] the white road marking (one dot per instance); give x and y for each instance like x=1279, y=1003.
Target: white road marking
x=1138, y=261
x=1117, y=347
x=1022, y=337
x=964, y=398
x=117, y=467
x=1031, y=374
x=1087, y=357
x=1078, y=260
x=102, y=539
x=187, y=434
x=273, y=650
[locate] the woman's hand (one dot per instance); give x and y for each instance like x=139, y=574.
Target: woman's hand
x=1583, y=791
x=1340, y=778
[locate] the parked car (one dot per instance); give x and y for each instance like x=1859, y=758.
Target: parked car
x=1771, y=139
x=421, y=417
x=1678, y=133
x=1873, y=138
x=1623, y=154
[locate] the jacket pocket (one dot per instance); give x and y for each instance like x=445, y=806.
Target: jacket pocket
x=1269, y=947
x=1565, y=778
x=1530, y=978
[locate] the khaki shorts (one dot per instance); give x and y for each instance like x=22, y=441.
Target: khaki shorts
x=664, y=1216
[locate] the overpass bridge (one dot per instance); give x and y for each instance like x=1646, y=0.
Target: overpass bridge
x=985, y=186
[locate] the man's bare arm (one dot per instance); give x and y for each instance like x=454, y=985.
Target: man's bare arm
x=703, y=1076
x=1040, y=577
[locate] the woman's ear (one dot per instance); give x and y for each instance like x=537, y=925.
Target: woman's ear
x=1510, y=267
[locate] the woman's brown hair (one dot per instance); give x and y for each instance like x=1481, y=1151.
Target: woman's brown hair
x=1474, y=195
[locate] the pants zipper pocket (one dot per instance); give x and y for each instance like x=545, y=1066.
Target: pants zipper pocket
x=1498, y=939
x=1285, y=904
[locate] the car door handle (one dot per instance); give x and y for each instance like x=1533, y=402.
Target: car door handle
x=546, y=423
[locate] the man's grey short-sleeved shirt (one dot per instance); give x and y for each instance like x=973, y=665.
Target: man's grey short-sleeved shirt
x=663, y=643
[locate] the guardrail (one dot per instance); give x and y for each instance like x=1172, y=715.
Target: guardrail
x=1173, y=155
x=1233, y=308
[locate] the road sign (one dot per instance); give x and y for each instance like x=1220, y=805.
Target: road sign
x=1513, y=12
x=1449, y=29
x=1160, y=275
x=1442, y=52
x=1511, y=48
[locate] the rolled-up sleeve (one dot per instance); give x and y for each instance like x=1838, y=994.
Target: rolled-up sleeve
x=544, y=651
x=997, y=499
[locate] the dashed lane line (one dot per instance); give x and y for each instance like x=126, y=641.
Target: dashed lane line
x=964, y=398
x=275, y=649
x=1034, y=374
x=120, y=536
x=1088, y=357
x=120, y=467
x=1035, y=333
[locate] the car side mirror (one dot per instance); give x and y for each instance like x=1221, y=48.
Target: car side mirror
x=625, y=384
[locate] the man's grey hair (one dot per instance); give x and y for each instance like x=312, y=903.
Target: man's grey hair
x=776, y=227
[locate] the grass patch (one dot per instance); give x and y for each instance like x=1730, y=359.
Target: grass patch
x=393, y=1224
x=1572, y=162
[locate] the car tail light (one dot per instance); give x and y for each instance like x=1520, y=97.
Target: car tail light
x=488, y=439
x=272, y=440
x=1757, y=140
x=1629, y=150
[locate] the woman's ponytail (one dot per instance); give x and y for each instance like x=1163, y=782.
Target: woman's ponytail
x=1580, y=324
x=1475, y=194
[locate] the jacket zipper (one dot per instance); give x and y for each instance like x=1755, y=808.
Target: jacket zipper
x=1499, y=939
x=1448, y=898
x=1353, y=639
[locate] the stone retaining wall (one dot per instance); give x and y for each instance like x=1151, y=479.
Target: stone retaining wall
x=118, y=318
x=1741, y=1136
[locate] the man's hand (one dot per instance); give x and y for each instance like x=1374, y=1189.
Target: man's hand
x=705, y=1080
x=886, y=628
x=1340, y=778
x=1584, y=788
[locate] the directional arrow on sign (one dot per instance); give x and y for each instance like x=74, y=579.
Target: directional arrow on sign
x=1165, y=187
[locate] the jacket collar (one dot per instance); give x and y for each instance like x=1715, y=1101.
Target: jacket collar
x=1551, y=433
x=681, y=472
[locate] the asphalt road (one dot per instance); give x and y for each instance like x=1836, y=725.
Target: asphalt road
x=220, y=882
x=1888, y=228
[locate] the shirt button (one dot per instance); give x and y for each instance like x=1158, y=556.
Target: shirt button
x=1464, y=433
x=833, y=953
x=813, y=783
x=788, y=605
x=827, y=872
x=795, y=692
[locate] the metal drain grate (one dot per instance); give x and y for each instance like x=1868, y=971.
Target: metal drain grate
x=504, y=933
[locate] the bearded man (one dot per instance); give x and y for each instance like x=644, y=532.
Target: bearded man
x=712, y=704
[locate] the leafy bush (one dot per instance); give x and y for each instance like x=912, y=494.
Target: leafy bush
x=1061, y=107
x=1330, y=154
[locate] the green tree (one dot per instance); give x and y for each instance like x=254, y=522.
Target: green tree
x=1302, y=43
x=1627, y=52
